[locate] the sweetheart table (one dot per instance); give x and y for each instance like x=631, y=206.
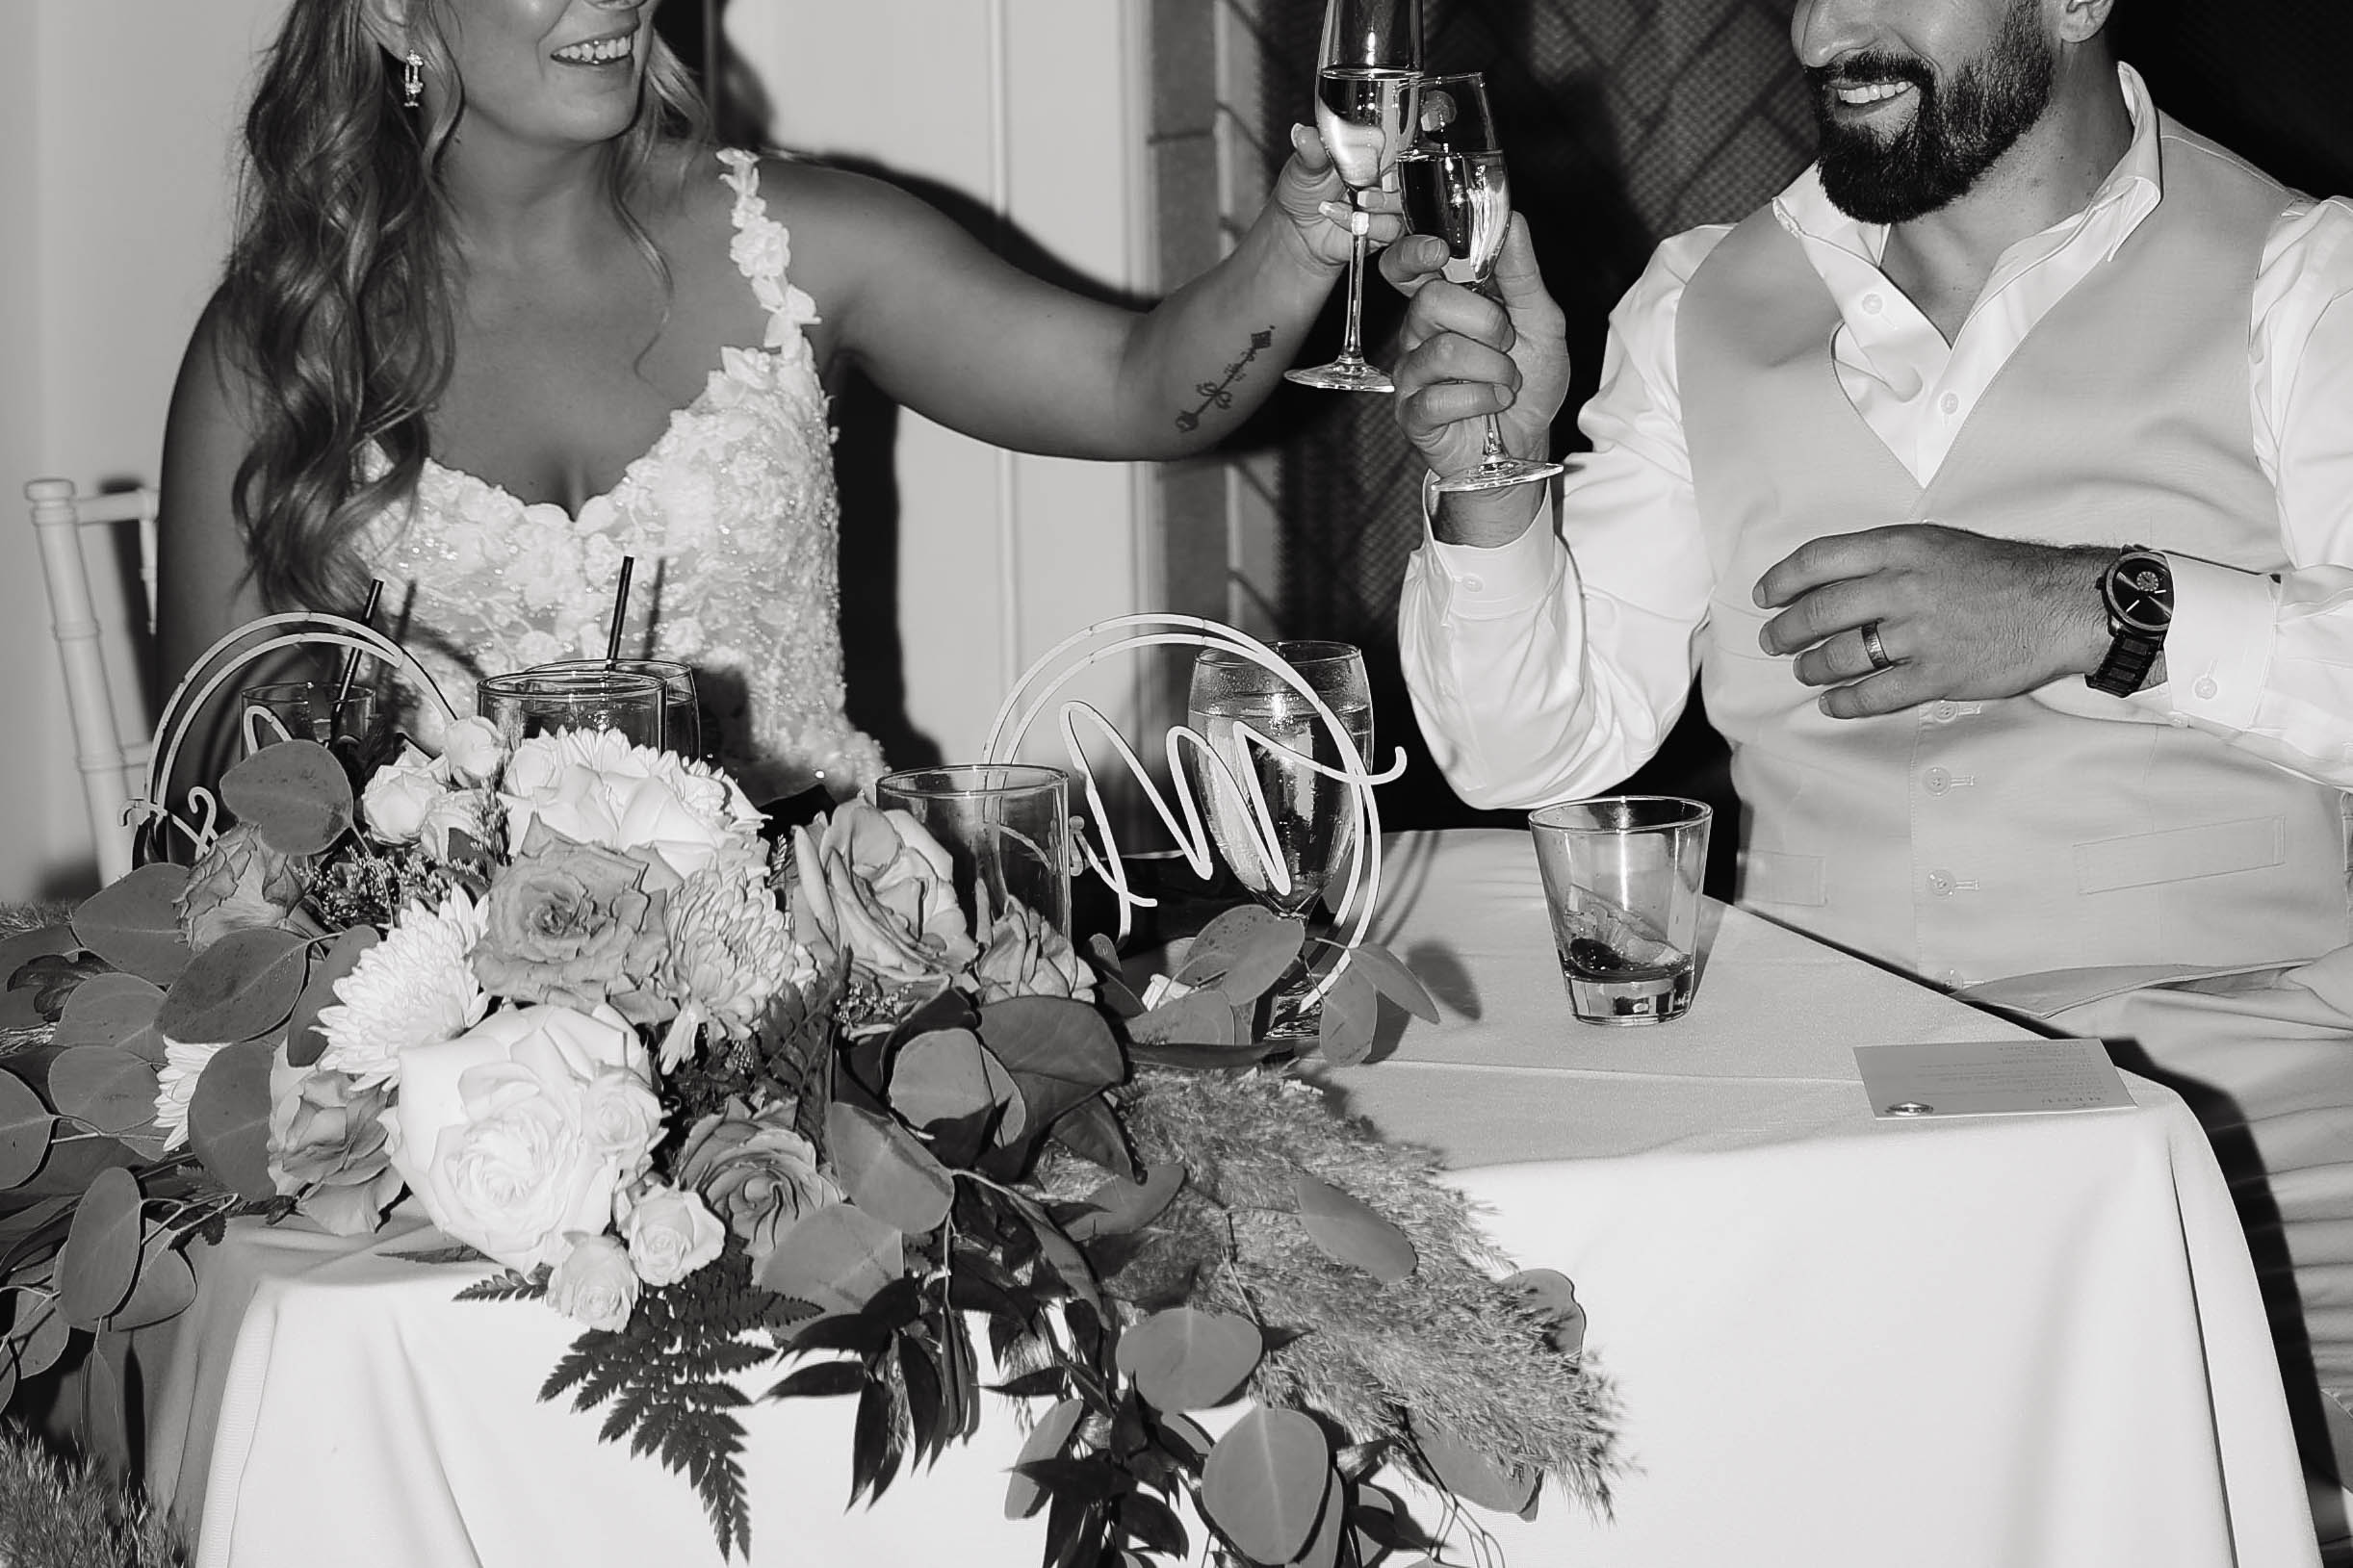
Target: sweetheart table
x=2013, y=1341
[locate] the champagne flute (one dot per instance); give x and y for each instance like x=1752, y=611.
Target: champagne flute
x=1366, y=67
x=1455, y=186
x=1312, y=816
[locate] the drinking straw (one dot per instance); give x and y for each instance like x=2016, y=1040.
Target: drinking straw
x=620, y=608
x=350, y=656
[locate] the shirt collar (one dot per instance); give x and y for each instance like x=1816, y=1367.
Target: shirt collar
x=2134, y=186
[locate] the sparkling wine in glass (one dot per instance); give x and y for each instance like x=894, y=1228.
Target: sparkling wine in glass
x=1310, y=818
x=1370, y=58
x=1456, y=187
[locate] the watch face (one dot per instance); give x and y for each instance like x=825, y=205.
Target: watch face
x=2140, y=592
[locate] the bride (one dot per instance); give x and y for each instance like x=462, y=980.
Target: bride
x=498, y=315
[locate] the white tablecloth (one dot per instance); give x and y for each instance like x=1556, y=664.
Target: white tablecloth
x=1999, y=1343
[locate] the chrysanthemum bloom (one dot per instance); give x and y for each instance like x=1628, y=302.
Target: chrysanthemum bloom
x=176, y=1086
x=414, y=988
x=731, y=951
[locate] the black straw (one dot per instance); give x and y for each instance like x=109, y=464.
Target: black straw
x=350, y=656
x=620, y=612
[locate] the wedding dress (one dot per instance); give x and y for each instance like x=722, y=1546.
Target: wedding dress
x=732, y=518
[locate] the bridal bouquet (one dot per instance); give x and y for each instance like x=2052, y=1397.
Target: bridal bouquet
x=781, y=1122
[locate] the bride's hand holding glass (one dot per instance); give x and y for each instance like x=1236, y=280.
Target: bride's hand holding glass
x=1464, y=356
x=1311, y=193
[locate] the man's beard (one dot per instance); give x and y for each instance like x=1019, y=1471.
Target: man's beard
x=1956, y=135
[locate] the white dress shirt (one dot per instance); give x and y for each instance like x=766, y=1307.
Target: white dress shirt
x=1543, y=670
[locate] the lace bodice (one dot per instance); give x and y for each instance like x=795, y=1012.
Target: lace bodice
x=733, y=520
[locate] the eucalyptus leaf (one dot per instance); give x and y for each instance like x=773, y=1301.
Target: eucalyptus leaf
x=240, y=987
x=886, y=1171
x=100, y=1259
x=1324, y=1547
x=1475, y=1476
x=1552, y=1296
x=134, y=922
x=1046, y=1440
x=42, y=941
x=1188, y=1360
x=1243, y=951
x=1351, y=1233
x=1198, y=1018
x=113, y=1009
x=1110, y=977
x=38, y=1335
x=25, y=1126
x=295, y=793
x=165, y=1286
x=1058, y=1050
x=229, y=1118
x=1090, y=1131
x=1390, y=975
x=105, y=1088
x=949, y=1077
x=836, y=1259
x=304, y=1042
x=1346, y=1022
x=105, y=1414
x=1265, y=1482
x=1120, y=1206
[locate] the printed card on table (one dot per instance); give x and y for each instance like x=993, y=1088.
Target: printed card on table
x=1982, y=1078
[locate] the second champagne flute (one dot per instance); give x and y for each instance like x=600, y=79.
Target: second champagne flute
x=1366, y=70
x=1455, y=186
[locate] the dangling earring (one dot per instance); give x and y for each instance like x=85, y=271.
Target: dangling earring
x=412, y=80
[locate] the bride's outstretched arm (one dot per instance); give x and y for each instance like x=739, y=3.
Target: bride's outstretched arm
x=952, y=331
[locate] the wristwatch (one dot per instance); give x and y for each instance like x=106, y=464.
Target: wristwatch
x=2137, y=590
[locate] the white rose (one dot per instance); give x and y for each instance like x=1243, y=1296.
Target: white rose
x=509, y=1139
x=594, y=1285
x=472, y=753
x=398, y=795
x=671, y=1234
x=597, y=788
x=458, y=811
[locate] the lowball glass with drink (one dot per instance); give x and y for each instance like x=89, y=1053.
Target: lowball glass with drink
x=1623, y=878
x=1366, y=67
x=1311, y=818
x=1456, y=187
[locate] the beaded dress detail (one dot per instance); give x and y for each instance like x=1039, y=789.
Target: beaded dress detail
x=733, y=520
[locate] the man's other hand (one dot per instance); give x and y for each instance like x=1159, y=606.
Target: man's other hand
x=1961, y=615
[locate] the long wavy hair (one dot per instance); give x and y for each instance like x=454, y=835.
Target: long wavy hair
x=341, y=290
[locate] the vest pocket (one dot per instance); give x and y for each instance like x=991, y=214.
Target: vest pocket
x=1771, y=878
x=2180, y=855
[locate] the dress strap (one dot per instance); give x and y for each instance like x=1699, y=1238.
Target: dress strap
x=763, y=251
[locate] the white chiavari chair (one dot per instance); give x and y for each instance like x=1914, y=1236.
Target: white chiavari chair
x=113, y=773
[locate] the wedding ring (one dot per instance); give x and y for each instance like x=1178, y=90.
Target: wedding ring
x=1874, y=650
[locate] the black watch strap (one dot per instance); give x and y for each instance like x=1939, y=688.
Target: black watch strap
x=2125, y=669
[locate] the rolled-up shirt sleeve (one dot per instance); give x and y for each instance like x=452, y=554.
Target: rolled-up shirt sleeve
x=1554, y=665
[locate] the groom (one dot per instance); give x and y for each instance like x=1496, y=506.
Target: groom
x=1992, y=478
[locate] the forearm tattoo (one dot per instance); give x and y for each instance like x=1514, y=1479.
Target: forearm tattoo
x=1219, y=394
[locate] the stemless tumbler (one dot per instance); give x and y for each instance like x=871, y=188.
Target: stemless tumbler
x=538, y=702
x=1006, y=828
x=1622, y=878
x=681, y=716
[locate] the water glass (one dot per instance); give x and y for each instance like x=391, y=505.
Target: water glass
x=304, y=710
x=543, y=700
x=1622, y=876
x=681, y=713
x=1005, y=825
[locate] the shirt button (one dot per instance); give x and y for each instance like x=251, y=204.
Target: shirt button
x=1940, y=883
x=1946, y=713
x=1870, y=304
x=1474, y=584
x=2205, y=686
x=1938, y=780
x=1950, y=401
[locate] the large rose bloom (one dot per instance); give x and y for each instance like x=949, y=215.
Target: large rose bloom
x=569, y=922
x=756, y=1174
x=875, y=885
x=327, y=1151
x=595, y=788
x=525, y=1128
